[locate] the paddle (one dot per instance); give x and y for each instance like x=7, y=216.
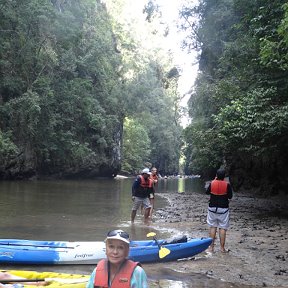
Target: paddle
x=60, y=280
x=163, y=251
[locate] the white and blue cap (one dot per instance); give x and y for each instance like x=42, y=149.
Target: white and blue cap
x=118, y=235
x=146, y=171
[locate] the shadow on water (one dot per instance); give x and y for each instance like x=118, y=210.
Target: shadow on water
x=85, y=211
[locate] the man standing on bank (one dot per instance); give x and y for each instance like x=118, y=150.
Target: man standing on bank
x=220, y=192
x=141, y=189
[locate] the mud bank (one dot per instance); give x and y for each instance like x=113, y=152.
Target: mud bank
x=257, y=239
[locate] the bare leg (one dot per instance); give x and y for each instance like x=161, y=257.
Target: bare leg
x=212, y=234
x=133, y=215
x=152, y=200
x=146, y=214
x=222, y=235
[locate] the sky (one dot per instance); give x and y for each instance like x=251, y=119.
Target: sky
x=133, y=9
x=170, y=12
x=186, y=61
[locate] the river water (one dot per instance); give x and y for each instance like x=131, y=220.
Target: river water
x=85, y=211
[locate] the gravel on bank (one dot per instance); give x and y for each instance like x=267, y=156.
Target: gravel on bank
x=257, y=238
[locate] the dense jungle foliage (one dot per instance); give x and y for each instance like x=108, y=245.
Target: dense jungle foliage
x=239, y=105
x=71, y=74
x=87, y=90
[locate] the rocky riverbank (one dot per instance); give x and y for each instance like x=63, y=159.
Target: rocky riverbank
x=257, y=239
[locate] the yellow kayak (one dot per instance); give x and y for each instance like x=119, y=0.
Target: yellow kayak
x=53, y=279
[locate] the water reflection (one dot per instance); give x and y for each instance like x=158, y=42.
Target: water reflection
x=181, y=185
x=168, y=278
x=170, y=283
x=187, y=185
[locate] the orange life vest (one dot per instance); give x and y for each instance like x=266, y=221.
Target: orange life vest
x=146, y=183
x=154, y=177
x=219, y=187
x=121, y=280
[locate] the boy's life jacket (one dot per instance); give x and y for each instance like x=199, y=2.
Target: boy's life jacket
x=121, y=280
x=219, y=187
x=220, y=193
x=154, y=177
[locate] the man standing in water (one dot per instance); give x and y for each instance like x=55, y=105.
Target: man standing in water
x=141, y=189
x=154, y=177
x=220, y=192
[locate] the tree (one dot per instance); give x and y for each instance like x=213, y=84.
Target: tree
x=136, y=146
x=240, y=98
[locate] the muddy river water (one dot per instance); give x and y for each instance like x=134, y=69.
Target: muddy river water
x=86, y=210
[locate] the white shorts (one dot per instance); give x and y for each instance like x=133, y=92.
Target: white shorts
x=141, y=201
x=218, y=217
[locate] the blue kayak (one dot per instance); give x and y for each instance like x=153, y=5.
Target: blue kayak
x=18, y=251
x=179, y=248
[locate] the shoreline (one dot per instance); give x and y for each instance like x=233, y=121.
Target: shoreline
x=257, y=238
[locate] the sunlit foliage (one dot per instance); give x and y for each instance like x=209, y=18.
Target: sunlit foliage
x=70, y=72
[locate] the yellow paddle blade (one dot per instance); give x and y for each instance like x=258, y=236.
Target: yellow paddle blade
x=151, y=234
x=163, y=252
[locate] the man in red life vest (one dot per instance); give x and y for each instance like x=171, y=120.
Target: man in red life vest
x=141, y=189
x=220, y=192
x=154, y=177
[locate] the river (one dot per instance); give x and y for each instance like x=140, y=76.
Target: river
x=85, y=211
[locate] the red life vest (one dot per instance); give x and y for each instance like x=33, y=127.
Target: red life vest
x=121, y=280
x=154, y=177
x=146, y=183
x=219, y=187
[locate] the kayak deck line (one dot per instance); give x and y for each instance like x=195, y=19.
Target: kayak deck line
x=36, y=245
